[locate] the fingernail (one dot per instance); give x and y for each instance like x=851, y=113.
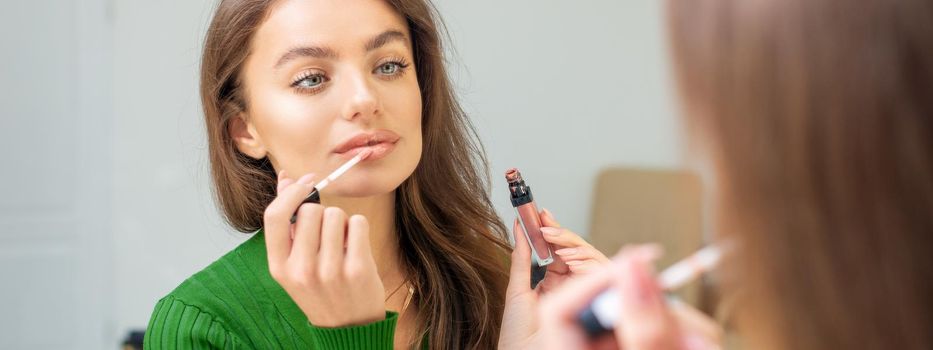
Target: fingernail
x=281, y=174
x=511, y=235
x=650, y=252
x=548, y=213
x=566, y=251
x=550, y=231
x=304, y=180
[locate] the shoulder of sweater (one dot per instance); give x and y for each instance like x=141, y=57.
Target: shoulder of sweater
x=175, y=321
x=214, y=287
x=213, y=273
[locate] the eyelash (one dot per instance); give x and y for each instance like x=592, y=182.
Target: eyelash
x=309, y=90
x=402, y=67
x=400, y=62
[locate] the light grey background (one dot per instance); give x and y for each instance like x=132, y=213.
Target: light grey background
x=106, y=204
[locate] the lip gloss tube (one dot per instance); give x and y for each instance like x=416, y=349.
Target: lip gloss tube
x=523, y=201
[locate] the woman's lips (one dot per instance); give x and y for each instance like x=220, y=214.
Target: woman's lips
x=381, y=142
x=379, y=150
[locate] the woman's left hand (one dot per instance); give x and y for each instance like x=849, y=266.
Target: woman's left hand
x=572, y=256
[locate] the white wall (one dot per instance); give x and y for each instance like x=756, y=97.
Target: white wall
x=164, y=221
x=562, y=89
x=584, y=82
x=55, y=276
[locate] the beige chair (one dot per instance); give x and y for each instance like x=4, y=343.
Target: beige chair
x=638, y=205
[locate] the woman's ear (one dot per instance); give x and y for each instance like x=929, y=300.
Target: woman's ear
x=246, y=138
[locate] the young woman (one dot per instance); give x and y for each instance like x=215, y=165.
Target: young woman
x=818, y=120
x=294, y=87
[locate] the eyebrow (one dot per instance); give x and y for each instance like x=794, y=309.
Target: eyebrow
x=306, y=51
x=326, y=52
x=385, y=38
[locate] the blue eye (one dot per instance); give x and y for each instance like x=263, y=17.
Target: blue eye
x=389, y=68
x=309, y=82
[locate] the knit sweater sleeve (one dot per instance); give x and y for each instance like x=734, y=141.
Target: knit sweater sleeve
x=376, y=335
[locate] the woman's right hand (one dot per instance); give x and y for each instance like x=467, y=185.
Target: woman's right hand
x=323, y=260
x=646, y=321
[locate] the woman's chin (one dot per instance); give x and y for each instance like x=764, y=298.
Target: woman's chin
x=362, y=186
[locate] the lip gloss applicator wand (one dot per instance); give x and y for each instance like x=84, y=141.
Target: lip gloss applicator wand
x=602, y=316
x=315, y=195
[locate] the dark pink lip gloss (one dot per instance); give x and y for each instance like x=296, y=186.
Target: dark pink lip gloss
x=524, y=204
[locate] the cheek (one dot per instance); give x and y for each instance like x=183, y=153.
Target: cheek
x=405, y=105
x=411, y=119
x=293, y=130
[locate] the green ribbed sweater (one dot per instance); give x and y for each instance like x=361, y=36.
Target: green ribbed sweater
x=235, y=304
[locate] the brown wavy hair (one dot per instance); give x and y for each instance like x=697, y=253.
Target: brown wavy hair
x=451, y=238
x=819, y=117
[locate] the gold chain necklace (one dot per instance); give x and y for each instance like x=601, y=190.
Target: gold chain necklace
x=396, y=290
x=411, y=293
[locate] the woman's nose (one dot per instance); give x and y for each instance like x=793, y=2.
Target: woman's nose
x=363, y=100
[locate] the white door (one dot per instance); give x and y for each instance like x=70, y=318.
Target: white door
x=55, y=110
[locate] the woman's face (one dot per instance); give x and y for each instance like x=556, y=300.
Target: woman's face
x=326, y=79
